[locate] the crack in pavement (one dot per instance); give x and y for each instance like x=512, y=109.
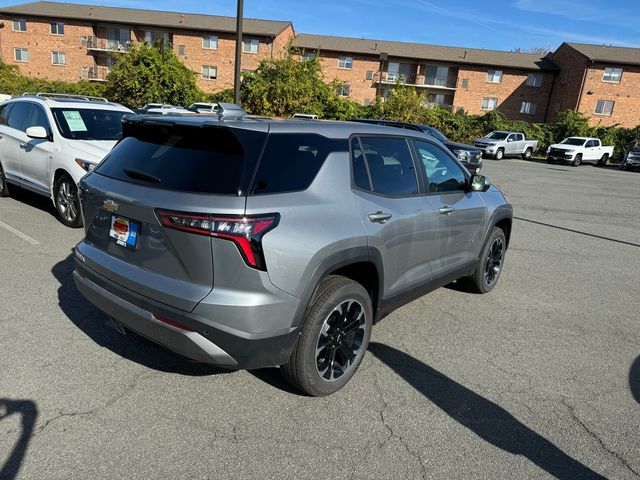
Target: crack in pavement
x=597, y=438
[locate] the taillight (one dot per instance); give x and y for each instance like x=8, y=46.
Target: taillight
x=245, y=232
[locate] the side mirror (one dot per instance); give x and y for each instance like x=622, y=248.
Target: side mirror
x=479, y=183
x=509, y=140
x=37, y=132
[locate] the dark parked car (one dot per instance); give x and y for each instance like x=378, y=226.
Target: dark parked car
x=469, y=156
x=631, y=158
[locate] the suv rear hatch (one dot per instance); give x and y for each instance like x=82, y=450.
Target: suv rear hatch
x=161, y=167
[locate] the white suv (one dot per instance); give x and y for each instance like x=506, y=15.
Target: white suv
x=48, y=142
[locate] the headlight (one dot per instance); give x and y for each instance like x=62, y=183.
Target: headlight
x=548, y=150
x=86, y=165
x=462, y=154
x=569, y=150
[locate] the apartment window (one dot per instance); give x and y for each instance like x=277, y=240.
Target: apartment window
x=494, y=76
x=534, y=80
x=57, y=28
x=344, y=90
x=528, y=108
x=612, y=75
x=182, y=50
x=565, y=77
x=58, y=58
x=209, y=73
x=210, y=42
x=21, y=54
x=369, y=75
x=111, y=61
x=465, y=83
x=345, y=62
x=489, y=103
x=250, y=45
x=557, y=107
x=307, y=56
x=152, y=37
x=19, y=25
x=604, y=107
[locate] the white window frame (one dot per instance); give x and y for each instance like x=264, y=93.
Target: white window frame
x=15, y=54
x=604, y=103
x=612, y=78
x=58, y=53
x=489, y=99
x=250, y=42
x=565, y=77
x=307, y=56
x=57, y=26
x=208, y=69
x=557, y=107
x=342, y=88
x=492, y=73
x=20, y=22
x=534, y=80
x=184, y=50
x=345, y=62
x=528, y=108
x=210, y=37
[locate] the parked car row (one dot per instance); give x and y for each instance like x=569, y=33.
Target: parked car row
x=315, y=230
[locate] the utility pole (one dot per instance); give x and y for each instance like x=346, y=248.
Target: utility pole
x=238, y=64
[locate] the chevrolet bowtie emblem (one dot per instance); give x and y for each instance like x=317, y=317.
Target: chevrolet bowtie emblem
x=110, y=206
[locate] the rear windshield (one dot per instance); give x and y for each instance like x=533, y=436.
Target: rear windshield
x=208, y=159
x=88, y=123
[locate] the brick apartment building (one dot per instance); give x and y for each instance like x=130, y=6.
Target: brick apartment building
x=600, y=81
x=517, y=84
x=70, y=42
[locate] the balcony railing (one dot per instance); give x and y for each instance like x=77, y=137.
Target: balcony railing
x=95, y=74
x=445, y=82
x=393, y=77
x=106, y=44
x=441, y=81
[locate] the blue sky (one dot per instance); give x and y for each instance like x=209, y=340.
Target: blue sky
x=490, y=24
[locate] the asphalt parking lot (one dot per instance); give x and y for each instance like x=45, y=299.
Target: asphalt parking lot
x=539, y=379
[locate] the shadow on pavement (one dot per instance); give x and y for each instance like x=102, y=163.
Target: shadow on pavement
x=28, y=413
x=94, y=323
x=489, y=421
x=634, y=379
x=32, y=199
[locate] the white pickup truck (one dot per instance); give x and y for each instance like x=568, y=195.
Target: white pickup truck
x=503, y=144
x=576, y=150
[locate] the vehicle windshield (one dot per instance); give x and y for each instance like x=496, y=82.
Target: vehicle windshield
x=88, y=123
x=434, y=133
x=573, y=141
x=497, y=135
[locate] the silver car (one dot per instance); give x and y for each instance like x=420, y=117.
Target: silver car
x=253, y=243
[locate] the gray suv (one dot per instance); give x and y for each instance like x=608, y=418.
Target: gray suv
x=253, y=242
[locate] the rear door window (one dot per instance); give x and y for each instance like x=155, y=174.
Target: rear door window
x=390, y=166
x=5, y=110
x=214, y=160
x=290, y=162
x=18, y=115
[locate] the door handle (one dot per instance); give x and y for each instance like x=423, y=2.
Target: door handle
x=379, y=217
x=23, y=145
x=446, y=210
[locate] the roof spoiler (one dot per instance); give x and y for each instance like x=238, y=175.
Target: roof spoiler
x=230, y=111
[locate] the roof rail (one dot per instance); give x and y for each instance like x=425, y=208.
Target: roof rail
x=88, y=98
x=230, y=111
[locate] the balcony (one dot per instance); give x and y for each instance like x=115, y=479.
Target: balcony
x=439, y=82
x=105, y=44
x=447, y=82
x=95, y=74
x=395, y=77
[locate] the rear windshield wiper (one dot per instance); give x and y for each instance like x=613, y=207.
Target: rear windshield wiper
x=138, y=175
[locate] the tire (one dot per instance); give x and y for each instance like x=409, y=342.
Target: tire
x=4, y=186
x=499, y=154
x=577, y=160
x=65, y=193
x=622, y=165
x=338, y=300
x=550, y=160
x=603, y=161
x=527, y=154
x=489, y=267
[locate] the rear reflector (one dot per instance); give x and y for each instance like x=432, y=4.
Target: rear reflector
x=172, y=323
x=245, y=232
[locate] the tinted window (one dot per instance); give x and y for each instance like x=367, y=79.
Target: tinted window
x=360, y=175
x=37, y=118
x=443, y=173
x=88, y=124
x=434, y=133
x=5, y=110
x=290, y=162
x=519, y=137
x=390, y=166
x=19, y=114
x=200, y=160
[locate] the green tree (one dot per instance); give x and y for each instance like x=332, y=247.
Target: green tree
x=151, y=73
x=405, y=104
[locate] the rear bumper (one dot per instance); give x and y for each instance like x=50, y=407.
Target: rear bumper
x=199, y=339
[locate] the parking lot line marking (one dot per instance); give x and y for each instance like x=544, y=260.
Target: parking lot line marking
x=18, y=233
